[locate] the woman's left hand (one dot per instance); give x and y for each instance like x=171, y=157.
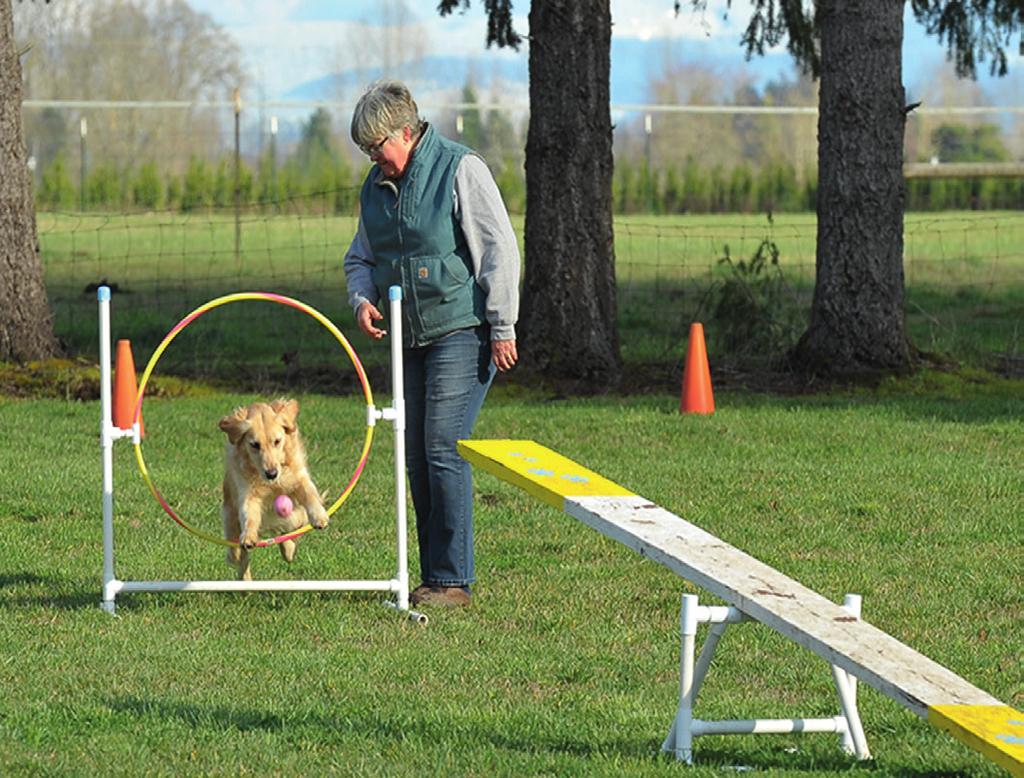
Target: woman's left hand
x=503, y=354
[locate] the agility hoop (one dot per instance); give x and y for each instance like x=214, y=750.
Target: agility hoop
x=216, y=303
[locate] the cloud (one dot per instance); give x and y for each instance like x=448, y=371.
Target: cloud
x=652, y=19
x=657, y=19
x=234, y=14
x=288, y=42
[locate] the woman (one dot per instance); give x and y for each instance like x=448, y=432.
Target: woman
x=432, y=220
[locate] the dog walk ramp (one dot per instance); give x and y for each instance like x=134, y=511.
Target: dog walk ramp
x=762, y=593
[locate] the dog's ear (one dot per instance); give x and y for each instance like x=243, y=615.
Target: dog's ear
x=235, y=425
x=287, y=413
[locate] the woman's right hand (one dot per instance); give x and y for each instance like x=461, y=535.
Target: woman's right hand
x=366, y=316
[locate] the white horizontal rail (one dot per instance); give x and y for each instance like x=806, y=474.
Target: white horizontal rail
x=120, y=587
x=700, y=727
x=720, y=614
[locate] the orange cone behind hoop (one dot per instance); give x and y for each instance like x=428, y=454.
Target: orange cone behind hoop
x=126, y=388
x=697, y=396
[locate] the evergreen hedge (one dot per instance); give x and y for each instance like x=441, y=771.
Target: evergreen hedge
x=327, y=183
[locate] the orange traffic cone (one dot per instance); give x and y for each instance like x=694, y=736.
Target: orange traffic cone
x=697, y=396
x=126, y=392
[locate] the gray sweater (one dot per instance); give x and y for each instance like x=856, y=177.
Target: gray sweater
x=492, y=245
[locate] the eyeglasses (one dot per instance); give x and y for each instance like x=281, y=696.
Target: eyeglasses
x=375, y=148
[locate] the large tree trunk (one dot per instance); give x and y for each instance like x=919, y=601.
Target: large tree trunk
x=857, y=319
x=26, y=330
x=568, y=324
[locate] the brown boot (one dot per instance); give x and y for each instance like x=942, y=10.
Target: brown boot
x=417, y=594
x=446, y=596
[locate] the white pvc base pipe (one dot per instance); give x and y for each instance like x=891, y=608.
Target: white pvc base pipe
x=121, y=587
x=835, y=724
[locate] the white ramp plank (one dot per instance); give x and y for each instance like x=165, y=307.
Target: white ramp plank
x=761, y=591
x=878, y=659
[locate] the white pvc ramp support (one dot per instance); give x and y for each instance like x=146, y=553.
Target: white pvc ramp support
x=685, y=727
x=858, y=649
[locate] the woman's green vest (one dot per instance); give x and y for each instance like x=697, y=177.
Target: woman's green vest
x=418, y=244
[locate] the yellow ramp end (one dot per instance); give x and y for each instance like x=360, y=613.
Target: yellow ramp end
x=997, y=731
x=542, y=472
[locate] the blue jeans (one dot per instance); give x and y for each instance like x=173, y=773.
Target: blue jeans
x=445, y=386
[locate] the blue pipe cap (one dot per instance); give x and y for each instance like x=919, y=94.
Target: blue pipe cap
x=103, y=294
x=395, y=292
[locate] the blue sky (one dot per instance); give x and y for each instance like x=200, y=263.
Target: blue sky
x=290, y=42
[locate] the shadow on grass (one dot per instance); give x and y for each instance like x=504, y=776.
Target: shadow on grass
x=253, y=603
x=50, y=597
x=449, y=735
x=219, y=717
x=773, y=758
x=798, y=762
x=373, y=724
x=20, y=579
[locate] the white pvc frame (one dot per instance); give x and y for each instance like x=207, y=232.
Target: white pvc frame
x=685, y=728
x=109, y=434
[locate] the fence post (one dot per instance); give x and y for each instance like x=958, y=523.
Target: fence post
x=238, y=179
x=83, y=130
x=649, y=173
x=273, y=163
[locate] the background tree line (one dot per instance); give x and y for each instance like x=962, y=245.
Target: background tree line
x=860, y=193
x=179, y=160
x=125, y=50
x=318, y=174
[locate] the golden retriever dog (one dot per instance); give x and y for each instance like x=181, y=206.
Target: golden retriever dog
x=264, y=458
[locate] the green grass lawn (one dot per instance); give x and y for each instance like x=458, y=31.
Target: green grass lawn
x=567, y=664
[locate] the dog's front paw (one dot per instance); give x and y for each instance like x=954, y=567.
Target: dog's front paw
x=317, y=516
x=249, y=540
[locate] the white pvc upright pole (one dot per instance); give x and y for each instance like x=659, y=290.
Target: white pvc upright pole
x=853, y=741
x=107, y=446
x=680, y=736
x=398, y=404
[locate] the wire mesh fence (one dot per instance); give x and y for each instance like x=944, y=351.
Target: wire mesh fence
x=964, y=278
x=175, y=203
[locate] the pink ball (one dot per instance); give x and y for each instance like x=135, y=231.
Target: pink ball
x=283, y=505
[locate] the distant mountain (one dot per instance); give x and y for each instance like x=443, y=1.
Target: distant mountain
x=430, y=77
x=635, y=63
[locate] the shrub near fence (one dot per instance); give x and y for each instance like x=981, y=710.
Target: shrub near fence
x=777, y=187
x=980, y=194
x=774, y=186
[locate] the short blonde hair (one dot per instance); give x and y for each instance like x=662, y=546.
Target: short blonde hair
x=384, y=109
